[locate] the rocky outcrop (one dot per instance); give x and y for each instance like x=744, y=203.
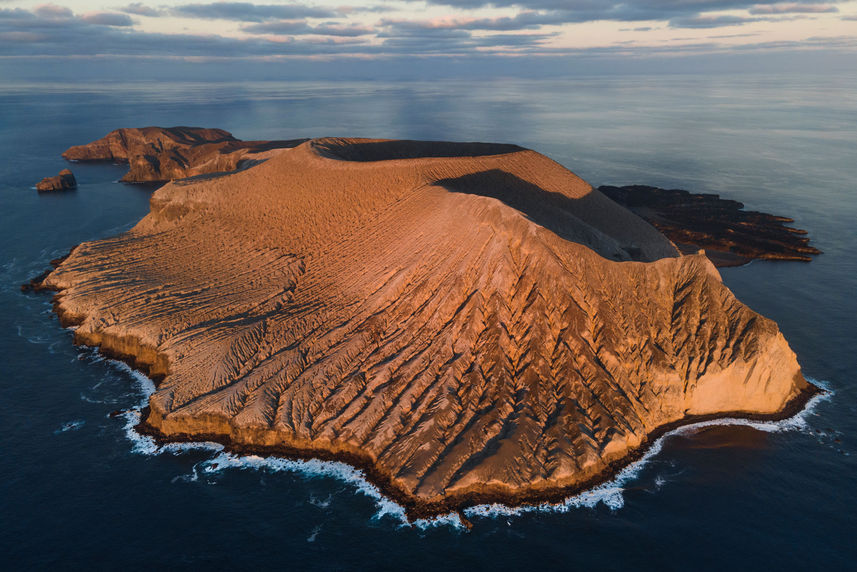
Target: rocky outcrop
x=730, y=235
x=62, y=182
x=156, y=154
x=469, y=323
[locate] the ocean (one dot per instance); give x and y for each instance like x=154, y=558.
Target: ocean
x=80, y=490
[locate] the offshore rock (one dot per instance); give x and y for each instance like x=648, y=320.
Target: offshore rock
x=62, y=182
x=157, y=154
x=467, y=322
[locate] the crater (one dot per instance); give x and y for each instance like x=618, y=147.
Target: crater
x=371, y=150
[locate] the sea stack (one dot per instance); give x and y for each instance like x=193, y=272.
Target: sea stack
x=62, y=182
x=467, y=322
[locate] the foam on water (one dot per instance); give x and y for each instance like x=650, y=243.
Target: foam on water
x=70, y=426
x=608, y=493
x=320, y=503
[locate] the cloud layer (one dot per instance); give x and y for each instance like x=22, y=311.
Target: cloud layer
x=510, y=28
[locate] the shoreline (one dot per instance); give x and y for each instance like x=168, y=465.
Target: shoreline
x=413, y=507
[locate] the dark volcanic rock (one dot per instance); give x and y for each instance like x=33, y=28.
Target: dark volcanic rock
x=62, y=182
x=730, y=235
x=157, y=154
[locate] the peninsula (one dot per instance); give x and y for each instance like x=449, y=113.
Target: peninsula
x=158, y=154
x=467, y=322
x=730, y=235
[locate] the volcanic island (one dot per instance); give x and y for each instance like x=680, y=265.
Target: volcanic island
x=466, y=322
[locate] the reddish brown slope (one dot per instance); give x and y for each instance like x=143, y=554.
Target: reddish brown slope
x=463, y=321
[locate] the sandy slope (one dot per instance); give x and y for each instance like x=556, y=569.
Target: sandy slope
x=463, y=320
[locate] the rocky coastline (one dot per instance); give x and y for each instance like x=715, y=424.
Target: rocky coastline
x=729, y=235
x=157, y=370
x=465, y=323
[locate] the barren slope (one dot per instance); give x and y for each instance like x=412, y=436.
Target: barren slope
x=462, y=320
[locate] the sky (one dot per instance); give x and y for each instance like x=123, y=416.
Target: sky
x=336, y=37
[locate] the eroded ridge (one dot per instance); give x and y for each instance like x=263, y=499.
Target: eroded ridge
x=468, y=328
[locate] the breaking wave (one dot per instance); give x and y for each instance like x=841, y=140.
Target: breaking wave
x=609, y=493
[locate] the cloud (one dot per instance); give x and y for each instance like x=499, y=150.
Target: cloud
x=579, y=11
x=15, y=14
x=301, y=27
x=54, y=12
x=522, y=21
x=108, y=19
x=54, y=31
x=793, y=8
x=140, y=9
x=710, y=21
x=247, y=12
x=447, y=37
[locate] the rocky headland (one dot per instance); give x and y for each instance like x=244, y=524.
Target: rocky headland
x=63, y=182
x=467, y=322
x=730, y=235
x=157, y=154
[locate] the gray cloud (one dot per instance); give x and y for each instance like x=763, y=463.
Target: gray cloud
x=578, y=11
x=793, y=8
x=51, y=31
x=53, y=12
x=108, y=19
x=522, y=21
x=140, y=9
x=710, y=21
x=301, y=27
x=247, y=12
x=457, y=35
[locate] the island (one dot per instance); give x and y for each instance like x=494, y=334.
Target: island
x=730, y=235
x=63, y=182
x=466, y=322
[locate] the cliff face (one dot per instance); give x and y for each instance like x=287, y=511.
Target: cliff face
x=468, y=322
x=166, y=153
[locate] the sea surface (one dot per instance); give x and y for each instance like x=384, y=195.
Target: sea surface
x=79, y=490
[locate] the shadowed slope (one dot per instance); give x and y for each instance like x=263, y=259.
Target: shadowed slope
x=391, y=149
x=458, y=325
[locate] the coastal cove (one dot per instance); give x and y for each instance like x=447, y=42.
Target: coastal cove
x=715, y=484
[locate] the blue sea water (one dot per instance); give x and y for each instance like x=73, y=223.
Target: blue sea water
x=77, y=490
